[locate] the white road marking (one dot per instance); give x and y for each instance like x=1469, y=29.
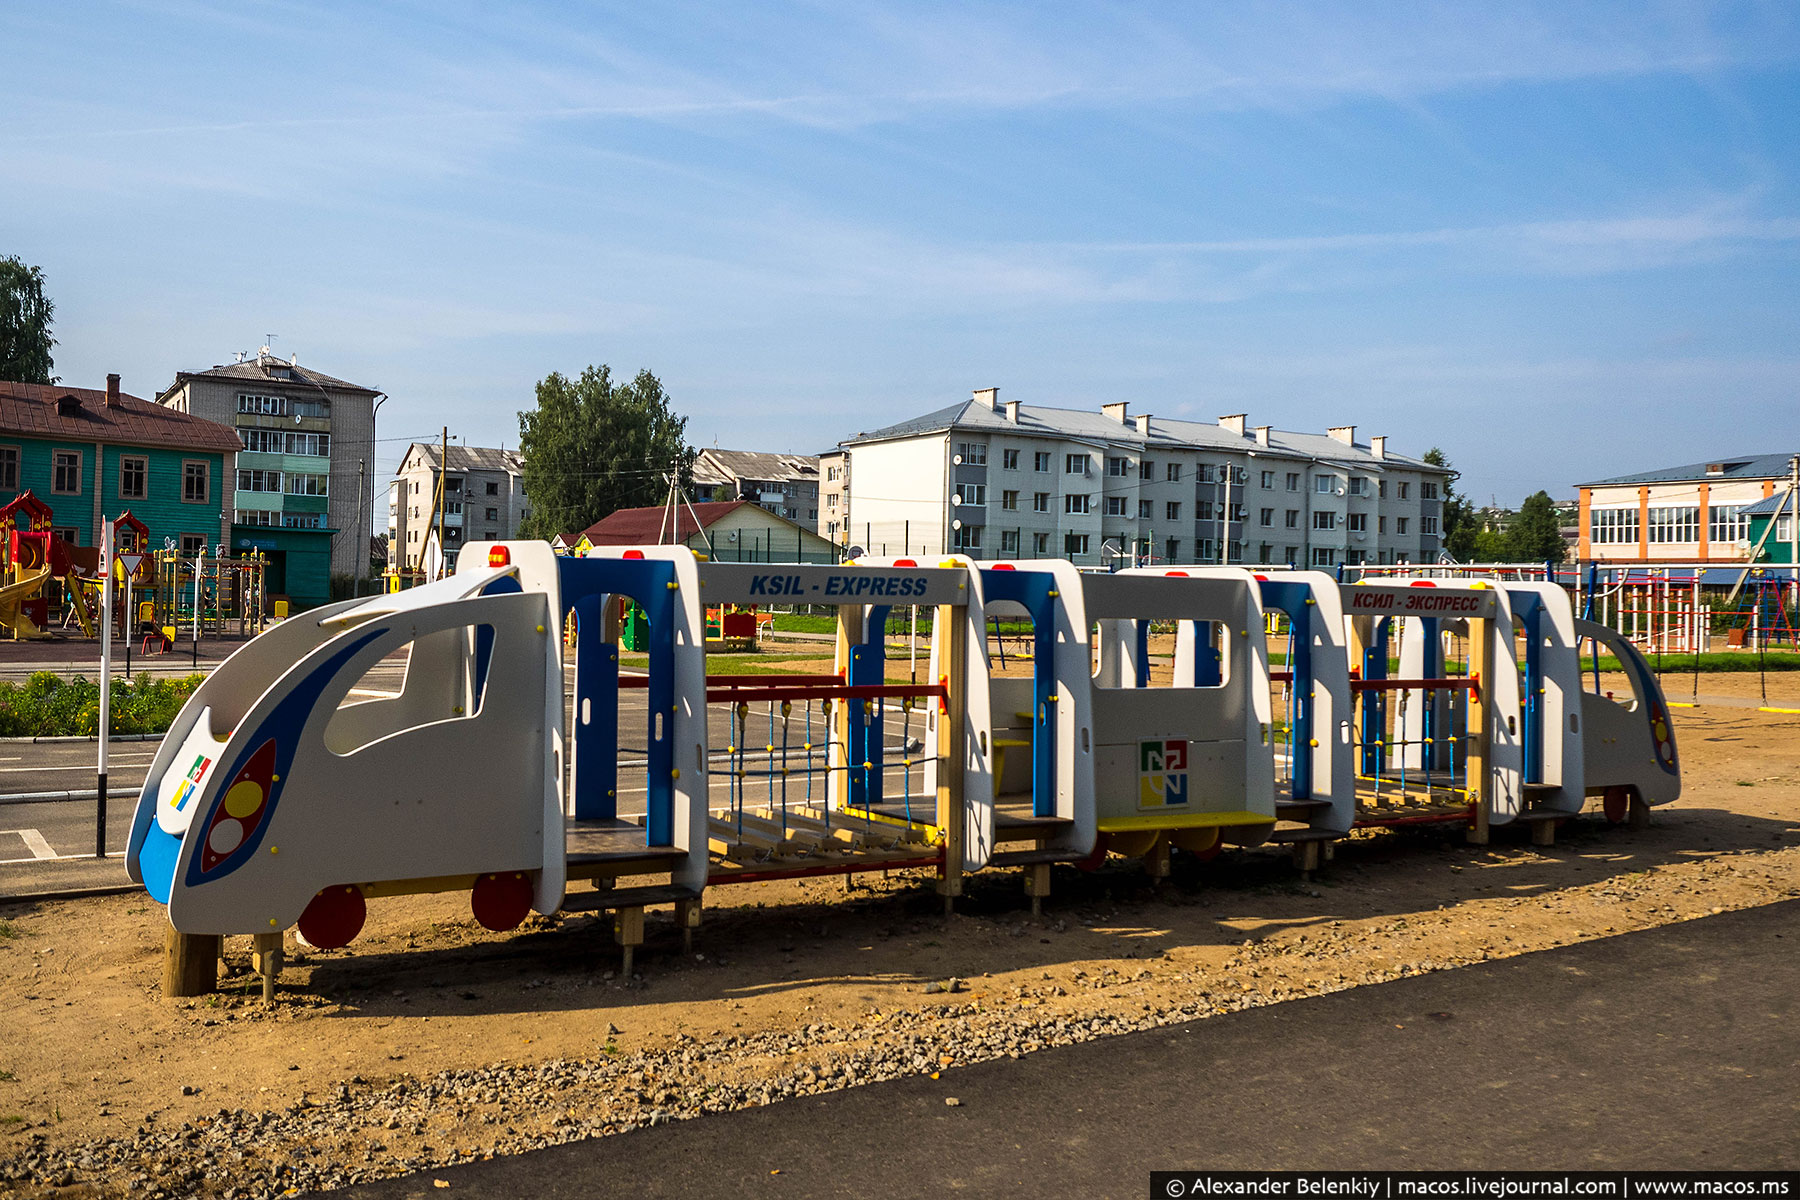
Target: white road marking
x=13, y=862
x=88, y=767
x=34, y=842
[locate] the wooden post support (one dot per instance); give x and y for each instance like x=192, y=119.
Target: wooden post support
x=269, y=955
x=837, y=746
x=1481, y=711
x=1543, y=833
x=1156, y=859
x=952, y=748
x=1309, y=856
x=628, y=931
x=687, y=915
x=1639, y=814
x=190, y=963
x=1037, y=886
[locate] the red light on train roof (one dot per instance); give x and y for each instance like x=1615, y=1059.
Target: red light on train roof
x=1004, y=567
x=633, y=554
x=905, y=562
x=499, y=556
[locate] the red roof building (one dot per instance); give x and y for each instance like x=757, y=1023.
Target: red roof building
x=727, y=531
x=54, y=412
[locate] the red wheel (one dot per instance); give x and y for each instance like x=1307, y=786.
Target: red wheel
x=1616, y=804
x=501, y=901
x=334, y=917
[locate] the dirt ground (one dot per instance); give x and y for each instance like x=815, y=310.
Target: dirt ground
x=422, y=1041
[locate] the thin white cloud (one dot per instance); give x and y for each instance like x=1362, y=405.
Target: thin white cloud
x=845, y=66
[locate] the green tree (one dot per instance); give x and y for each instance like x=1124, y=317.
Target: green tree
x=593, y=446
x=1489, y=545
x=1459, y=524
x=1535, y=534
x=25, y=313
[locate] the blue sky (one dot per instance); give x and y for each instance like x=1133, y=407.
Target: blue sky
x=1558, y=240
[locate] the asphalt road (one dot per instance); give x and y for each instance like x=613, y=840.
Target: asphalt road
x=1671, y=1048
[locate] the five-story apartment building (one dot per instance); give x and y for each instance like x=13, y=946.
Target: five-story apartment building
x=1000, y=479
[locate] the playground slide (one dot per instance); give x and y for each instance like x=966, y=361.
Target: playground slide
x=277, y=797
x=12, y=605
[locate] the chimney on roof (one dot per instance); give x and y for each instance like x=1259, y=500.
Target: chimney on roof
x=1116, y=410
x=1234, y=423
x=1012, y=411
x=1378, y=446
x=1262, y=434
x=989, y=397
x=112, y=390
x=1143, y=423
x=1343, y=433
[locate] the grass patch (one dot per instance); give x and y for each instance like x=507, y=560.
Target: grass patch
x=8, y=931
x=739, y=664
x=805, y=623
x=8, y=1077
x=753, y=666
x=47, y=705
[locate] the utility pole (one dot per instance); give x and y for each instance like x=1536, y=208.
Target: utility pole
x=362, y=549
x=1794, y=524
x=438, y=517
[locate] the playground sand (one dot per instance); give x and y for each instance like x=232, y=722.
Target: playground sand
x=432, y=1041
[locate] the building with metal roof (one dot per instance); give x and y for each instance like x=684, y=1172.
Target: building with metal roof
x=304, y=480
x=726, y=531
x=92, y=454
x=785, y=484
x=483, y=499
x=1694, y=513
x=998, y=479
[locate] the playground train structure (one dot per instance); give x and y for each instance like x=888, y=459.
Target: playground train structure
x=1142, y=715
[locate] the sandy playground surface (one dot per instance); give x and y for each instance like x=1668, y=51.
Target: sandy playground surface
x=431, y=1040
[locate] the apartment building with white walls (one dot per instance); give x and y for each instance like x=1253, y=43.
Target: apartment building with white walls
x=996, y=479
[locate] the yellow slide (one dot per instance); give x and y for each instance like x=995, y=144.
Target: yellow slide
x=12, y=606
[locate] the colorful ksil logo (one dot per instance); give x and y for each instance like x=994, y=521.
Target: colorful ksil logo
x=191, y=784
x=1162, y=772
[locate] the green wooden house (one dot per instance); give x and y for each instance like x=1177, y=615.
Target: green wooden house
x=91, y=454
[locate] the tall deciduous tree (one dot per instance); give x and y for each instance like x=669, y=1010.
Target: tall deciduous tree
x=25, y=313
x=1460, y=524
x=593, y=446
x=1535, y=534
